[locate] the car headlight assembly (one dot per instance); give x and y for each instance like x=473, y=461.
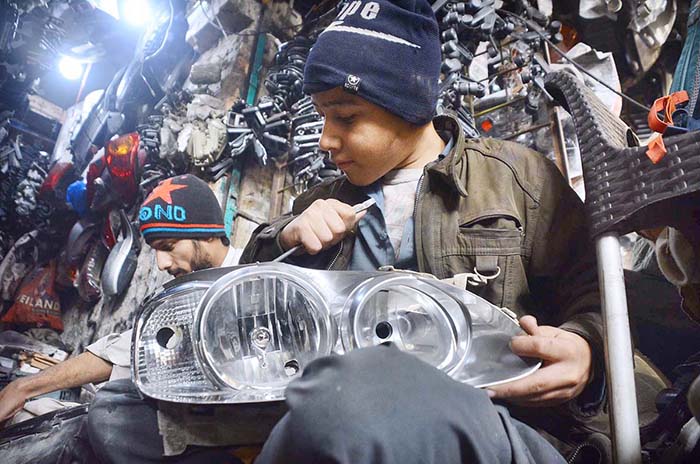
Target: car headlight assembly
x=163, y=360
x=242, y=334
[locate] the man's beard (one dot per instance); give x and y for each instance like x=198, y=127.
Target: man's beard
x=200, y=259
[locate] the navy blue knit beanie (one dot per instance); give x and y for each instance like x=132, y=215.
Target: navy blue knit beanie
x=387, y=52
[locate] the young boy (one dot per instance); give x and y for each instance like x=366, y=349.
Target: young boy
x=491, y=210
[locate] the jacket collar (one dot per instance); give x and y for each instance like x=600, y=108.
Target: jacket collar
x=453, y=168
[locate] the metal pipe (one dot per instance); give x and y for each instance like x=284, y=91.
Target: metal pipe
x=499, y=106
x=619, y=357
x=528, y=129
x=561, y=155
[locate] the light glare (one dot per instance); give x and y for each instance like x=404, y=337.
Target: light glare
x=70, y=68
x=137, y=12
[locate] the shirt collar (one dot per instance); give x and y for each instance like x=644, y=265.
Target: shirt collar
x=231, y=258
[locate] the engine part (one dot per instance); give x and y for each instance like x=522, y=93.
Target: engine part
x=121, y=263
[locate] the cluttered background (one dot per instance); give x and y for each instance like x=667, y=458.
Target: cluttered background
x=100, y=100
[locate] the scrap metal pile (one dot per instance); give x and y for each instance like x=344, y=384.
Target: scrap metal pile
x=150, y=123
x=497, y=58
x=70, y=213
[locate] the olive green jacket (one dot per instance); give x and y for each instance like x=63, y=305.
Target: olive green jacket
x=490, y=205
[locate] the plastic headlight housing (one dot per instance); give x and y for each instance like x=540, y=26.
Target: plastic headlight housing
x=242, y=334
x=259, y=328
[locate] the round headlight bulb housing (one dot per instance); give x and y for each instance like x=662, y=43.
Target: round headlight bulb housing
x=417, y=317
x=258, y=328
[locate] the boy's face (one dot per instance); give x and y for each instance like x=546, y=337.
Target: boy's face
x=365, y=141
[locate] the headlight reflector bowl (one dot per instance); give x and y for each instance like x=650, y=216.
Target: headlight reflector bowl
x=419, y=318
x=259, y=329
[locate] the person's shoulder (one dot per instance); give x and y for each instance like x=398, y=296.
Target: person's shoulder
x=529, y=168
x=515, y=155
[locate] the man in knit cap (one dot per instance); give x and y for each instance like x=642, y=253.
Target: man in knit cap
x=182, y=221
x=491, y=211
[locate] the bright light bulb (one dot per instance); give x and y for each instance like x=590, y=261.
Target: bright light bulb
x=137, y=12
x=70, y=68
x=108, y=6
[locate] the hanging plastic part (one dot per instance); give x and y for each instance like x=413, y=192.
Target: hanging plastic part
x=94, y=172
x=76, y=197
x=666, y=105
x=88, y=280
x=107, y=236
x=656, y=149
x=121, y=262
x=60, y=173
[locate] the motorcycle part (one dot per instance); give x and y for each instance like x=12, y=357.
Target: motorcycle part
x=121, y=157
x=56, y=182
x=121, y=263
x=78, y=239
x=89, y=277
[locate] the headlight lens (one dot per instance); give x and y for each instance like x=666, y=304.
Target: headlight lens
x=163, y=348
x=259, y=329
x=418, y=317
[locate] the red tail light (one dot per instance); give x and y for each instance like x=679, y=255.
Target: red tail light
x=122, y=162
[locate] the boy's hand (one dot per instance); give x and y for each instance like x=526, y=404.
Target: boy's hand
x=564, y=373
x=320, y=226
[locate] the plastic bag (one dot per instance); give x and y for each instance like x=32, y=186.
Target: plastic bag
x=37, y=304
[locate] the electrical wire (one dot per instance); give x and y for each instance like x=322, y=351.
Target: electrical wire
x=539, y=32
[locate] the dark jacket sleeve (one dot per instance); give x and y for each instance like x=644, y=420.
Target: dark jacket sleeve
x=563, y=276
x=264, y=243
